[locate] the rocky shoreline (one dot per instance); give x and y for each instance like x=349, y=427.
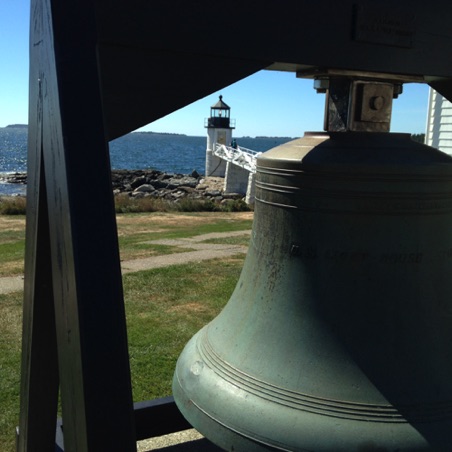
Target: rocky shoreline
x=157, y=184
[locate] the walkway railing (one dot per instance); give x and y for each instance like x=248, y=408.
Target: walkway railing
x=240, y=156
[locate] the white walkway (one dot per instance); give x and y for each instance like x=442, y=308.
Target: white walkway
x=240, y=156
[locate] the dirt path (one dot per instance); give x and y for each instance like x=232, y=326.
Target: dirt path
x=198, y=252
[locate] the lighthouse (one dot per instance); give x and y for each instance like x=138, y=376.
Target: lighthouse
x=219, y=131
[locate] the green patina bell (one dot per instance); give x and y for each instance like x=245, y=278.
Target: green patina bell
x=338, y=336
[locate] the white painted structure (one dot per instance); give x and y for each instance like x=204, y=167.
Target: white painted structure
x=240, y=169
x=439, y=123
x=224, y=158
x=219, y=131
x=239, y=156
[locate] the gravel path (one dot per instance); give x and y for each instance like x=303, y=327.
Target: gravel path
x=198, y=252
x=10, y=284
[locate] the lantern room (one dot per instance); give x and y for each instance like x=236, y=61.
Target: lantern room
x=220, y=116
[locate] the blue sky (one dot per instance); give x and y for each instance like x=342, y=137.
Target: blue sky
x=267, y=103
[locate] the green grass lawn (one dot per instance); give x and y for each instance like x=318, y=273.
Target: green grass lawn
x=134, y=231
x=12, y=242
x=165, y=307
x=10, y=339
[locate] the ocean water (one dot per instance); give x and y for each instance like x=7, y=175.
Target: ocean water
x=164, y=152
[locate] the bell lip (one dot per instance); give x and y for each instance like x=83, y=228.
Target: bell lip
x=194, y=391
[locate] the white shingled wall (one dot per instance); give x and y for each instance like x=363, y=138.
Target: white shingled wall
x=439, y=123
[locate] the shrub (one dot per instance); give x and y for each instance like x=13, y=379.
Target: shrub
x=13, y=205
x=127, y=204
x=16, y=205
x=236, y=205
x=195, y=205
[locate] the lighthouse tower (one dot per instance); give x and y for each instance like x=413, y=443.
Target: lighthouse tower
x=219, y=131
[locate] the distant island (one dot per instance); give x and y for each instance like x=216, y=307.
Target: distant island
x=17, y=126
x=272, y=137
x=161, y=133
x=419, y=137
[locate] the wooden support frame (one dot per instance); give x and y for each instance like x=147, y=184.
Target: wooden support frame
x=152, y=418
x=87, y=72
x=68, y=223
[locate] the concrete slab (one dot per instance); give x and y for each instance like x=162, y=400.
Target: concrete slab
x=185, y=441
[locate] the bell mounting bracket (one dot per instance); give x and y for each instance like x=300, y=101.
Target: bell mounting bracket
x=358, y=101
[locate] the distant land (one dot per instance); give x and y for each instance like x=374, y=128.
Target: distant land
x=420, y=137
x=17, y=126
x=161, y=133
x=272, y=138
x=184, y=135
x=145, y=132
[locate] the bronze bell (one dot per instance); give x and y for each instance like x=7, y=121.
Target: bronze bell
x=338, y=336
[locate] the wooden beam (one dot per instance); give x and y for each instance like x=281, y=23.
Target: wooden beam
x=39, y=375
x=158, y=56
x=87, y=287
x=158, y=417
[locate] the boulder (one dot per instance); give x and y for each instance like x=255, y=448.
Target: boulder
x=145, y=188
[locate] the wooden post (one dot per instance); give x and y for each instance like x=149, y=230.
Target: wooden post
x=71, y=203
